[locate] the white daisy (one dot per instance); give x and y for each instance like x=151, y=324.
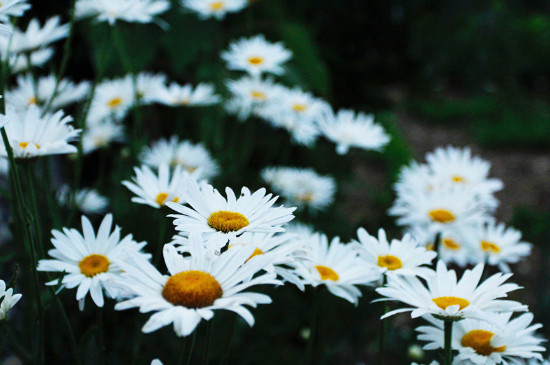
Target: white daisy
x=35, y=37
x=14, y=8
x=99, y=134
x=193, y=158
x=336, y=266
x=90, y=262
x=302, y=187
x=19, y=63
x=187, y=95
x=497, y=245
x=32, y=135
x=156, y=190
x=88, y=201
x=149, y=86
x=221, y=219
x=453, y=247
x=256, y=56
x=132, y=11
x=446, y=298
x=501, y=341
x=112, y=98
x=249, y=94
x=348, y=129
x=27, y=93
x=214, y=8
x=196, y=286
x=401, y=257
x=8, y=300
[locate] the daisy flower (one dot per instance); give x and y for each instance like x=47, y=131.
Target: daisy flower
x=13, y=8
x=19, y=63
x=348, y=129
x=99, y=134
x=196, y=286
x=194, y=158
x=256, y=56
x=8, y=300
x=301, y=187
x=35, y=37
x=401, y=257
x=112, y=98
x=221, y=219
x=148, y=85
x=446, y=298
x=156, y=190
x=336, y=266
x=453, y=247
x=88, y=201
x=249, y=94
x=497, y=245
x=214, y=8
x=187, y=95
x=32, y=135
x=500, y=341
x=132, y=11
x=90, y=262
x=27, y=93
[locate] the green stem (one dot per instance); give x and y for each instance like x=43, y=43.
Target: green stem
x=72, y=337
x=100, y=338
x=383, y=329
x=437, y=243
x=11, y=335
x=193, y=339
x=448, y=351
x=227, y=348
x=207, y=344
x=313, y=326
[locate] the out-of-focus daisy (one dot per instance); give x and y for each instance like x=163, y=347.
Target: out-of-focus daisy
x=440, y=209
x=88, y=201
x=156, y=190
x=348, y=129
x=35, y=37
x=301, y=186
x=249, y=94
x=297, y=112
x=453, y=247
x=148, y=86
x=187, y=95
x=196, y=286
x=90, y=262
x=132, y=11
x=19, y=63
x=214, y=8
x=446, y=298
x=194, y=158
x=500, y=341
x=99, y=134
x=336, y=266
x=31, y=134
x=497, y=245
x=14, y=8
x=27, y=93
x=457, y=165
x=8, y=300
x=256, y=56
x=112, y=98
x=221, y=219
x=401, y=257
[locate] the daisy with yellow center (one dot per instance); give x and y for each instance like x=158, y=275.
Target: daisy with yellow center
x=157, y=190
x=214, y=8
x=90, y=261
x=402, y=257
x=445, y=298
x=336, y=266
x=222, y=219
x=196, y=286
x=187, y=95
x=256, y=56
x=496, y=340
x=249, y=94
x=112, y=99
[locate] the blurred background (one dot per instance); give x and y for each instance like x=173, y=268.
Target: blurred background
x=435, y=73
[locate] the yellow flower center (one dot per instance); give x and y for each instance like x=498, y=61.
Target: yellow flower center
x=480, y=341
x=451, y=244
x=458, y=179
x=113, y=103
x=192, y=289
x=217, y=6
x=390, y=262
x=299, y=107
x=445, y=302
x=305, y=197
x=256, y=60
x=23, y=145
x=225, y=221
x=93, y=265
x=33, y=100
x=442, y=215
x=489, y=247
x=257, y=95
x=327, y=273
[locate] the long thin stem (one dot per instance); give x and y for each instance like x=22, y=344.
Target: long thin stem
x=100, y=338
x=448, y=351
x=383, y=330
x=193, y=339
x=72, y=337
x=208, y=341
